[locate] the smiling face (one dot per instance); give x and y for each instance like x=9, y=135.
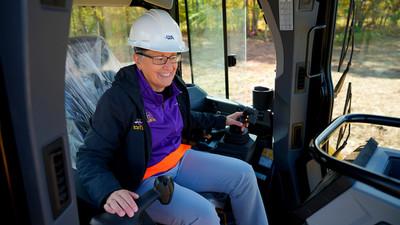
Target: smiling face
x=158, y=76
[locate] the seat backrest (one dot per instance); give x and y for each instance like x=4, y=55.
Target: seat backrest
x=89, y=71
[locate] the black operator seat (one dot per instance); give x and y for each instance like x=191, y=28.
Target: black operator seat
x=89, y=71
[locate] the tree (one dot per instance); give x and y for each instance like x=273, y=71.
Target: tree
x=254, y=21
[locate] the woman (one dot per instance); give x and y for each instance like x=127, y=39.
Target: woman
x=136, y=134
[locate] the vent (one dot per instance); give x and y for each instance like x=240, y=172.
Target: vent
x=57, y=181
x=301, y=78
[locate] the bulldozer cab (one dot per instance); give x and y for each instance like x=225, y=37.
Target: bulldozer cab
x=296, y=68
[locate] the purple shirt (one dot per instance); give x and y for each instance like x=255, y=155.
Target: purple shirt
x=164, y=119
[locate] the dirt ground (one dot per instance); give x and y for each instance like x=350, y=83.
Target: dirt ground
x=375, y=80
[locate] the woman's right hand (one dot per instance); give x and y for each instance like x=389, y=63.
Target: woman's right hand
x=122, y=202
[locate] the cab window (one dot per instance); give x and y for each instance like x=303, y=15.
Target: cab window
x=111, y=23
x=373, y=81
x=248, y=39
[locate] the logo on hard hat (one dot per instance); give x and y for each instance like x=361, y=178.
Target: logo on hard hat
x=169, y=37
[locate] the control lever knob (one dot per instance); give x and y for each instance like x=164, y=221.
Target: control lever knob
x=162, y=190
x=165, y=187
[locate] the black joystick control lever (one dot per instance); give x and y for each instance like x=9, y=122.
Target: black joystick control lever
x=235, y=134
x=162, y=190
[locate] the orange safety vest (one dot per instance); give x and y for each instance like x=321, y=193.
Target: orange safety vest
x=167, y=163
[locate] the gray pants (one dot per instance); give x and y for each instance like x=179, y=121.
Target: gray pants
x=205, y=172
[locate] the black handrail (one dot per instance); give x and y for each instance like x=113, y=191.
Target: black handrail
x=307, y=63
x=379, y=181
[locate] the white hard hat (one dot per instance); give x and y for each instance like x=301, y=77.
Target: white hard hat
x=156, y=30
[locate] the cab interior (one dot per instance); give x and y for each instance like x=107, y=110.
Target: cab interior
x=52, y=74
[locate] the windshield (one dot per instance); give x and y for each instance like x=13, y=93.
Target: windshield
x=374, y=75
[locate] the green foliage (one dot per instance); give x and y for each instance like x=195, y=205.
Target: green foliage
x=378, y=16
x=373, y=20
x=112, y=23
x=381, y=16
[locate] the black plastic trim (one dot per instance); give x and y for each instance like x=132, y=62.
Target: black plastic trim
x=13, y=193
x=365, y=155
x=189, y=40
x=225, y=31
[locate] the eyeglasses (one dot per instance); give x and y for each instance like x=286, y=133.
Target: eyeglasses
x=162, y=60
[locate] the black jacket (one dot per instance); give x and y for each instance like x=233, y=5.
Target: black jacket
x=117, y=146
